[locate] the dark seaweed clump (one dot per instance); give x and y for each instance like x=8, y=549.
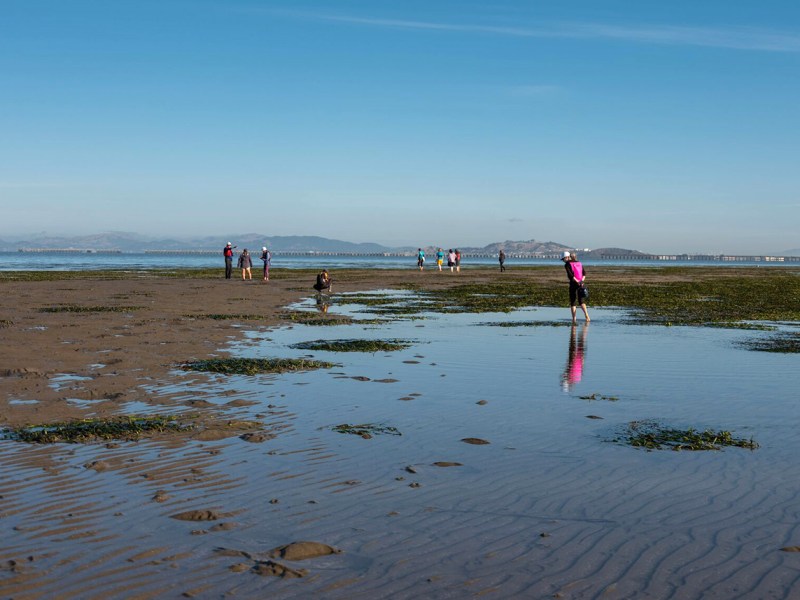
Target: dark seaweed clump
x=597, y=396
x=87, y=430
x=5, y=323
x=653, y=436
x=354, y=345
x=74, y=308
x=254, y=366
x=788, y=343
x=366, y=430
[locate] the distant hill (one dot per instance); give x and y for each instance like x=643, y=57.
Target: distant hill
x=523, y=247
x=608, y=252
x=131, y=242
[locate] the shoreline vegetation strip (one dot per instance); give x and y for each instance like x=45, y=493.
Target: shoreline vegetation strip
x=700, y=296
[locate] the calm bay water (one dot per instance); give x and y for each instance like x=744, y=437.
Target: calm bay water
x=59, y=261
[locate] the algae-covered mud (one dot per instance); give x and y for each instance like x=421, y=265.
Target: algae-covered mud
x=502, y=484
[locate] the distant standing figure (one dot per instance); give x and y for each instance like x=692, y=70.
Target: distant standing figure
x=421, y=259
x=502, y=259
x=323, y=281
x=451, y=259
x=266, y=256
x=577, y=276
x=458, y=261
x=245, y=264
x=440, y=258
x=227, y=252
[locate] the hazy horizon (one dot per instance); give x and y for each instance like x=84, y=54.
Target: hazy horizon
x=445, y=243
x=662, y=128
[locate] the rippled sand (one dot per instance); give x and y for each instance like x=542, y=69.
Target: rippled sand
x=546, y=507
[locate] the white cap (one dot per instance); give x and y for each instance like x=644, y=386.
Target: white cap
x=263, y=248
x=565, y=255
x=229, y=243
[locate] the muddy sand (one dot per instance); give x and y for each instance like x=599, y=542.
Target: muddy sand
x=289, y=509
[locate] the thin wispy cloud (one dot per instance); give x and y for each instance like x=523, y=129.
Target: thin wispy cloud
x=734, y=38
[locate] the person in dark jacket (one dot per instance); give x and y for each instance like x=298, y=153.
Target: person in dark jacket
x=246, y=264
x=266, y=256
x=323, y=281
x=227, y=252
x=502, y=259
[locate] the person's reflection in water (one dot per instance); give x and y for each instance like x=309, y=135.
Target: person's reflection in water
x=577, y=354
x=323, y=303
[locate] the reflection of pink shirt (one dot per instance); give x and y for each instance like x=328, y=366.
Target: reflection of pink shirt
x=575, y=370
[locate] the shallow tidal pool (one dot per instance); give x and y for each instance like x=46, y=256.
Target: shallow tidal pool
x=505, y=479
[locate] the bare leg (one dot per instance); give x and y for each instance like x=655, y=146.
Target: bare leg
x=573, y=310
x=585, y=313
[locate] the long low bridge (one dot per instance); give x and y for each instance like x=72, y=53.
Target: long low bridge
x=679, y=258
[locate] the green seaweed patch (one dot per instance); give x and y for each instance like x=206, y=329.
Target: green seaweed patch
x=74, y=308
x=528, y=324
x=597, y=396
x=5, y=323
x=653, y=436
x=366, y=430
x=786, y=343
x=742, y=326
x=353, y=345
x=255, y=366
x=88, y=430
x=306, y=318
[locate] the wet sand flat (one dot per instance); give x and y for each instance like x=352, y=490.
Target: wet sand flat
x=497, y=486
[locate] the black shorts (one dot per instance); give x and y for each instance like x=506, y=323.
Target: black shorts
x=574, y=298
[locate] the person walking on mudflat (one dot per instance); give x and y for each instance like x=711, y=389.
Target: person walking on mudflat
x=440, y=258
x=421, y=259
x=577, y=277
x=246, y=264
x=266, y=256
x=451, y=259
x=502, y=259
x=324, y=282
x=227, y=252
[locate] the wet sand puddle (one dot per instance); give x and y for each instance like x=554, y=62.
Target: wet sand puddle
x=497, y=484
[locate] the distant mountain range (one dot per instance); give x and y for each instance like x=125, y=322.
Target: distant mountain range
x=132, y=242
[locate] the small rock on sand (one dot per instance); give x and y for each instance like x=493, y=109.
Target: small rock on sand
x=197, y=515
x=444, y=463
x=476, y=441
x=302, y=550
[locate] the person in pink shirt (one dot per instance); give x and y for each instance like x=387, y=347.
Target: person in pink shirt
x=577, y=277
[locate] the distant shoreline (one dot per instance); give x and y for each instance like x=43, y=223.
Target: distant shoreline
x=549, y=256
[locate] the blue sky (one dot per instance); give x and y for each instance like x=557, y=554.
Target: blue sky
x=660, y=126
